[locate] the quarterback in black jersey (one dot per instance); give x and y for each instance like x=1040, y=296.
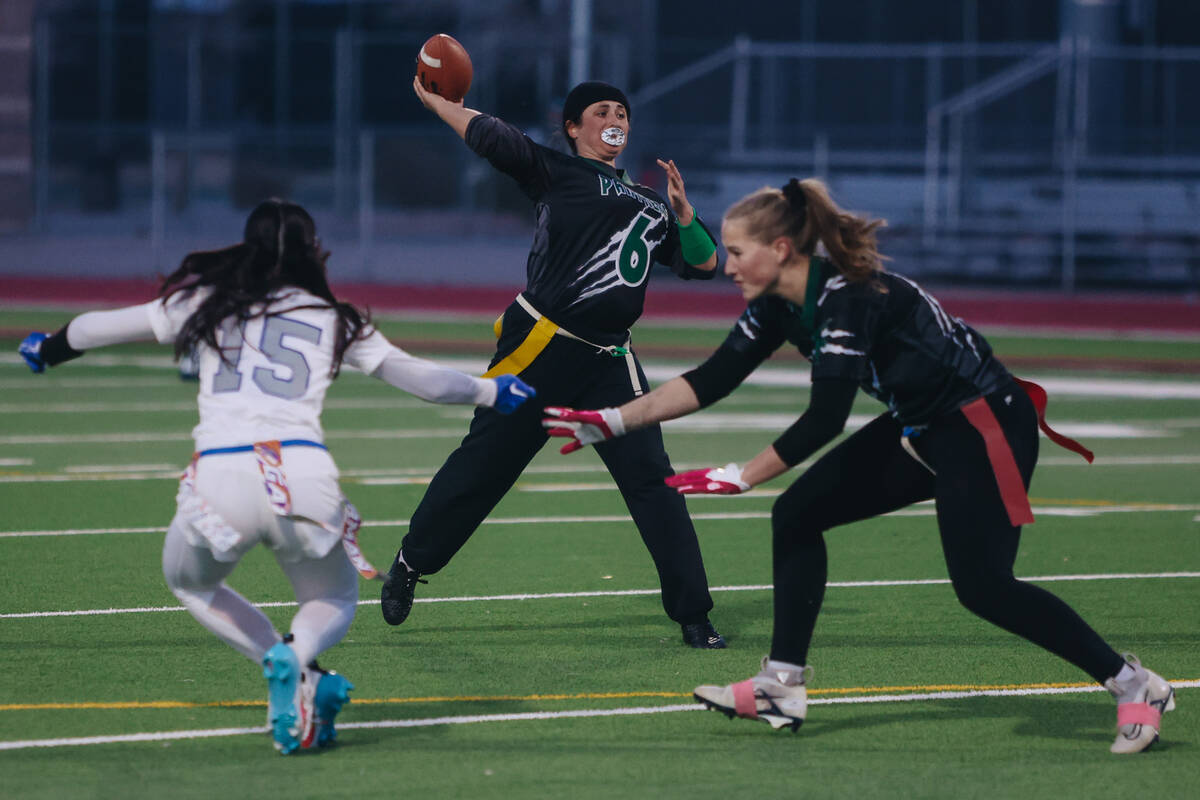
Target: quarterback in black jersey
x=597, y=236
x=959, y=430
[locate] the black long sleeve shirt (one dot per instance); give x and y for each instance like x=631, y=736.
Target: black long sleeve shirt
x=596, y=237
x=887, y=336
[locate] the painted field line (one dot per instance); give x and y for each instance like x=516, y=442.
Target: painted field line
x=713, y=422
x=924, y=509
x=422, y=477
x=153, y=705
x=403, y=523
x=855, y=691
x=1116, y=576
x=400, y=401
x=470, y=719
x=1062, y=508
x=730, y=423
x=798, y=376
x=1120, y=461
x=390, y=476
x=140, y=437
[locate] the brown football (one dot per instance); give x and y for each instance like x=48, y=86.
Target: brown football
x=444, y=67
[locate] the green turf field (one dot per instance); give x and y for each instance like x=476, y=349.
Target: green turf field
x=553, y=672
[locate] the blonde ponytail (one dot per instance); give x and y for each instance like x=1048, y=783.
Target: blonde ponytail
x=803, y=212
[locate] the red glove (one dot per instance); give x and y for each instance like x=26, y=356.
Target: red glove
x=718, y=480
x=582, y=427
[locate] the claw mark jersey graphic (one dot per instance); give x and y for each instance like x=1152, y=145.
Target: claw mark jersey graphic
x=888, y=334
x=597, y=235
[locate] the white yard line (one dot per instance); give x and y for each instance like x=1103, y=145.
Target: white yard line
x=541, y=716
x=185, y=436
x=399, y=401
x=660, y=371
x=402, y=523
x=708, y=422
x=393, y=476
x=924, y=509
x=92, y=612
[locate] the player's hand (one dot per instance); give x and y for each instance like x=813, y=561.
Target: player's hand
x=31, y=350
x=511, y=393
x=675, y=192
x=582, y=427
x=718, y=480
x=432, y=100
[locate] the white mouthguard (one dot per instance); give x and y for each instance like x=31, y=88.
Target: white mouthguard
x=614, y=136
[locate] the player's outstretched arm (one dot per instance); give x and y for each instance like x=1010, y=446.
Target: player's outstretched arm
x=824, y=419
x=456, y=115
x=730, y=479
x=435, y=383
x=86, y=332
x=675, y=398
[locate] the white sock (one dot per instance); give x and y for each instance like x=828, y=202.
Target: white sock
x=783, y=665
x=1126, y=674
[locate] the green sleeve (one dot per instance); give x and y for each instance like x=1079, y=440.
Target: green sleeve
x=695, y=241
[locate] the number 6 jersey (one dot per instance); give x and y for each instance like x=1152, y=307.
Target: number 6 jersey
x=596, y=234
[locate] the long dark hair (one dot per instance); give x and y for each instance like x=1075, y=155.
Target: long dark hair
x=279, y=248
x=804, y=212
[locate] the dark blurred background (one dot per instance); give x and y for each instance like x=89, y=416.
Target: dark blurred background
x=1034, y=143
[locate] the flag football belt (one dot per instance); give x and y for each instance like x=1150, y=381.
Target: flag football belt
x=269, y=456
x=544, y=329
x=246, y=448
x=1004, y=466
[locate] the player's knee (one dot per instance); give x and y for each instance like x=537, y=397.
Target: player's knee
x=790, y=523
x=193, y=598
x=186, y=582
x=983, y=594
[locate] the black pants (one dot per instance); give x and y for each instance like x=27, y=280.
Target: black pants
x=871, y=474
x=497, y=448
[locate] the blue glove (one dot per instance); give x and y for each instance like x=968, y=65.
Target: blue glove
x=511, y=392
x=31, y=350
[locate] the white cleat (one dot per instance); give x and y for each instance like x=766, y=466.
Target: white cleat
x=778, y=697
x=1141, y=702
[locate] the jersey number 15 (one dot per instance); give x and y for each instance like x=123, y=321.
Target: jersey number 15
x=290, y=381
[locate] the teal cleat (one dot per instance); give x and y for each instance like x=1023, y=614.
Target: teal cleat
x=289, y=714
x=333, y=692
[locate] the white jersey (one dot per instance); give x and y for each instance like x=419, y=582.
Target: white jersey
x=272, y=381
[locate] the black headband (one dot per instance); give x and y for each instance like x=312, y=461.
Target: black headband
x=590, y=92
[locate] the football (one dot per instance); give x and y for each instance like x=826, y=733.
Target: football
x=444, y=68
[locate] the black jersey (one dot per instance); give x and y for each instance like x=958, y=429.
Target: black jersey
x=597, y=233
x=887, y=334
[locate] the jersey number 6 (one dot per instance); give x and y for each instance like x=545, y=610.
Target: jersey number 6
x=633, y=262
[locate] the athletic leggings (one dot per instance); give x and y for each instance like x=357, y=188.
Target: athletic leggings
x=870, y=473
x=498, y=448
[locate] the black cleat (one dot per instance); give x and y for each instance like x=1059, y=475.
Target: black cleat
x=396, y=596
x=703, y=636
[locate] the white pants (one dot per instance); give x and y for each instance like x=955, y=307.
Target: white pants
x=229, y=498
